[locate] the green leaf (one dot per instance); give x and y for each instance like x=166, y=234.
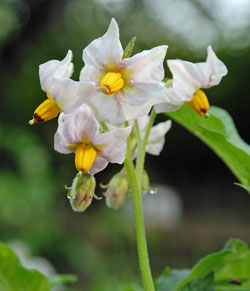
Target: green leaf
x=228, y=269
x=14, y=277
x=171, y=278
x=129, y=48
x=245, y=187
x=234, y=250
x=219, y=133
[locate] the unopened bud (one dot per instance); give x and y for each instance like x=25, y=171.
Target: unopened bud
x=82, y=191
x=118, y=189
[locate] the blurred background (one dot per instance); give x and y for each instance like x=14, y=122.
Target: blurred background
x=197, y=208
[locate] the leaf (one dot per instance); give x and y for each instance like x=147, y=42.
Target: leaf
x=228, y=269
x=171, y=278
x=234, y=250
x=219, y=133
x=245, y=187
x=129, y=48
x=14, y=277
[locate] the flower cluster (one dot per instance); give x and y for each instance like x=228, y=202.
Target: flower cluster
x=112, y=100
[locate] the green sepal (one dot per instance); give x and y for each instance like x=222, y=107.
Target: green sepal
x=129, y=48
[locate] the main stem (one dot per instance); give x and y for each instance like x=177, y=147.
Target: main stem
x=139, y=222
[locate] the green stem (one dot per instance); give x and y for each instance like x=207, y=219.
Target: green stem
x=142, y=149
x=139, y=222
x=137, y=132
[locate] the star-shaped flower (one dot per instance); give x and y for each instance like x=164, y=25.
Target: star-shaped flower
x=188, y=80
x=63, y=94
x=127, y=88
x=79, y=132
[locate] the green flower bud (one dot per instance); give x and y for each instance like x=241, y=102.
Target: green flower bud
x=82, y=192
x=118, y=189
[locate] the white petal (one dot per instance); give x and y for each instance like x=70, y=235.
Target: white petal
x=141, y=93
x=75, y=127
x=217, y=67
x=186, y=78
x=104, y=49
x=143, y=122
x=147, y=66
x=69, y=94
x=98, y=165
x=55, y=68
x=157, y=137
x=134, y=112
x=90, y=74
x=107, y=108
x=114, y=144
x=166, y=107
x=171, y=103
x=61, y=144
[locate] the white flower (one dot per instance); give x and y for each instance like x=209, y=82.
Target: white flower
x=156, y=137
x=125, y=88
x=189, y=78
x=63, y=94
x=79, y=132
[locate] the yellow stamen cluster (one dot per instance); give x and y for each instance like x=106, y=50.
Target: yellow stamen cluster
x=84, y=157
x=45, y=111
x=111, y=83
x=199, y=103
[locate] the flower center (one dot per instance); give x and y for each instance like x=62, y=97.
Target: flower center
x=84, y=157
x=45, y=111
x=111, y=83
x=199, y=103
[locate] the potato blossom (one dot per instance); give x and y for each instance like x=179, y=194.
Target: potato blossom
x=63, y=94
x=188, y=80
x=79, y=132
x=127, y=88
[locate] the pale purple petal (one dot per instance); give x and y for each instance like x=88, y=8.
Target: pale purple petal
x=55, y=68
x=147, y=66
x=105, y=49
x=114, y=144
x=98, y=165
x=76, y=127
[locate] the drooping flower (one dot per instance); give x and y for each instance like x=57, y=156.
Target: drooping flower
x=79, y=132
x=63, y=94
x=156, y=139
x=188, y=80
x=127, y=88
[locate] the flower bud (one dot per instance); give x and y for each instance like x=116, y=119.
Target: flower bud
x=117, y=191
x=82, y=191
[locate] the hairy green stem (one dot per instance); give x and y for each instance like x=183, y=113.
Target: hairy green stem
x=142, y=149
x=139, y=221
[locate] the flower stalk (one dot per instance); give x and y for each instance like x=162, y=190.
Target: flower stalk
x=139, y=219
